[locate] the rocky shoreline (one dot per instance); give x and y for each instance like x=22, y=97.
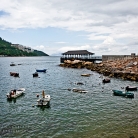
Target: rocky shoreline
x=124, y=69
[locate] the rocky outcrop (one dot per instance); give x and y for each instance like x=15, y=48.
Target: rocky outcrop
x=124, y=69
x=73, y=64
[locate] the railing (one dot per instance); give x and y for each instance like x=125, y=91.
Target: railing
x=91, y=59
x=96, y=57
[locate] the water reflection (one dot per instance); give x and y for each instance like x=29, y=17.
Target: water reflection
x=44, y=107
x=11, y=100
x=70, y=114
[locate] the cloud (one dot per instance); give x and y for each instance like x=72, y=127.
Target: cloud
x=107, y=23
x=72, y=15
x=60, y=42
x=109, y=41
x=46, y=49
x=67, y=48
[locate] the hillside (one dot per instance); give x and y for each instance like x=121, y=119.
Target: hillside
x=40, y=53
x=7, y=50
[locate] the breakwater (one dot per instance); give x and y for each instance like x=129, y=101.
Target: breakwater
x=126, y=69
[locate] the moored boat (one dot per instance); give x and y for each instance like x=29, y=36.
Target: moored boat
x=79, y=90
x=12, y=64
x=123, y=93
x=14, y=74
x=35, y=74
x=44, y=101
x=128, y=88
x=15, y=93
x=80, y=83
x=86, y=75
x=106, y=80
x=40, y=70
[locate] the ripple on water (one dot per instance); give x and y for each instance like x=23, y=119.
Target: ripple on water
x=95, y=114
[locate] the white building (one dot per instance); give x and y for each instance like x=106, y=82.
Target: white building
x=23, y=48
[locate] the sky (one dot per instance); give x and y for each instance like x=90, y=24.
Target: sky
x=103, y=27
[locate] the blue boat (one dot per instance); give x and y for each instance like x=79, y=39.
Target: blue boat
x=41, y=70
x=124, y=94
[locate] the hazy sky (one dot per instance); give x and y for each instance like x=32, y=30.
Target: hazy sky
x=56, y=26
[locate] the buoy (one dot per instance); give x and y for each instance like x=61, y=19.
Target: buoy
x=37, y=95
x=32, y=105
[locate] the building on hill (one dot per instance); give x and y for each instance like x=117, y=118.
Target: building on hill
x=23, y=48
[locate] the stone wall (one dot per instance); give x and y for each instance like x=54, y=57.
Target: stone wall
x=124, y=69
x=118, y=57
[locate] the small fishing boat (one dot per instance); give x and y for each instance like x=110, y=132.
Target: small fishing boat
x=44, y=101
x=35, y=74
x=123, y=93
x=14, y=74
x=80, y=83
x=79, y=90
x=128, y=88
x=15, y=93
x=12, y=64
x=86, y=75
x=40, y=70
x=106, y=80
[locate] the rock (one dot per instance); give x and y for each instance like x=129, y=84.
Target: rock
x=130, y=64
x=67, y=61
x=125, y=69
x=135, y=63
x=131, y=136
x=76, y=61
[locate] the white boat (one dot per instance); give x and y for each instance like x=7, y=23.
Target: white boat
x=15, y=93
x=79, y=90
x=44, y=101
x=86, y=75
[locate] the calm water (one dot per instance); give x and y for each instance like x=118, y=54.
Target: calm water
x=97, y=114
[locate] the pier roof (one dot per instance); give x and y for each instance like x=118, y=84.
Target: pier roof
x=78, y=52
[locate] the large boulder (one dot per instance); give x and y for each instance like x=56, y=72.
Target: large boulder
x=88, y=63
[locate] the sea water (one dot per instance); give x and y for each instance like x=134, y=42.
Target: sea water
x=96, y=114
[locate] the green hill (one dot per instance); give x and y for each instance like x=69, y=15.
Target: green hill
x=40, y=53
x=7, y=50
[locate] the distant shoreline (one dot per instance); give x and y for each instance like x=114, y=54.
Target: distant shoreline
x=24, y=56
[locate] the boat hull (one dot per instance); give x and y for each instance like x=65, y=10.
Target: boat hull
x=124, y=94
x=14, y=74
x=40, y=70
x=106, y=80
x=86, y=75
x=79, y=90
x=12, y=65
x=15, y=93
x=44, y=101
x=35, y=74
x=131, y=88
